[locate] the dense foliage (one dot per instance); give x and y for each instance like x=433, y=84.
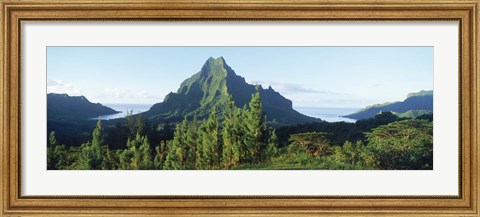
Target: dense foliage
x=216, y=120
x=240, y=138
x=243, y=139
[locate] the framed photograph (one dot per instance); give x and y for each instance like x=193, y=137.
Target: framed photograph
x=252, y=108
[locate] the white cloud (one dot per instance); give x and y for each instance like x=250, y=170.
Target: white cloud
x=288, y=88
x=123, y=94
x=59, y=86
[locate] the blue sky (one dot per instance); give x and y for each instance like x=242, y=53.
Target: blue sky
x=346, y=77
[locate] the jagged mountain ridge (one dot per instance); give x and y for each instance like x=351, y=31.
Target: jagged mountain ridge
x=211, y=86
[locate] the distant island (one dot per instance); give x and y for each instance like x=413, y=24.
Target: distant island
x=416, y=104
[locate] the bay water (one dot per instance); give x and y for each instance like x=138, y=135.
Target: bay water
x=326, y=114
x=123, y=108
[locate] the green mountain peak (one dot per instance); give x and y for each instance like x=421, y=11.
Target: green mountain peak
x=208, y=83
x=217, y=61
x=211, y=86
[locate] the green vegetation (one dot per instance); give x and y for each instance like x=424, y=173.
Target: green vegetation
x=70, y=117
x=244, y=138
x=240, y=138
x=400, y=145
x=404, y=144
x=414, y=113
x=216, y=120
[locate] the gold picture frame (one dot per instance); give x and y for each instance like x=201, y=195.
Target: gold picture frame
x=14, y=12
